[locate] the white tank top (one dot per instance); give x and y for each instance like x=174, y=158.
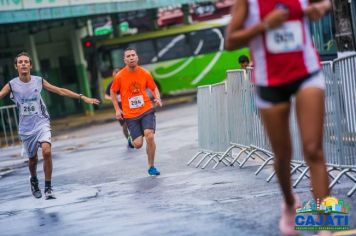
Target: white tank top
x=33, y=113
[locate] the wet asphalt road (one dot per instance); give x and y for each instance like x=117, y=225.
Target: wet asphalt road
x=102, y=188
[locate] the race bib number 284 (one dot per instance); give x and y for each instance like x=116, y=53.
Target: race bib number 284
x=136, y=102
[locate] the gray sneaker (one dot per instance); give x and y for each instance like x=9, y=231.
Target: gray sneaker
x=36, y=191
x=49, y=193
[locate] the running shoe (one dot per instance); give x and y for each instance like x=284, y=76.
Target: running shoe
x=129, y=142
x=152, y=171
x=49, y=193
x=36, y=191
x=286, y=223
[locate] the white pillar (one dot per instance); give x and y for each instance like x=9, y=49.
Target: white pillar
x=81, y=64
x=90, y=28
x=76, y=42
x=30, y=46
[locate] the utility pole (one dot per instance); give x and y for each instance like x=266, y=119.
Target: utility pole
x=344, y=25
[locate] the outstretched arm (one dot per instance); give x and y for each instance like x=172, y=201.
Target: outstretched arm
x=68, y=93
x=5, y=91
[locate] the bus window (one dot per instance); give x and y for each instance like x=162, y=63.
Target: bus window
x=205, y=41
x=145, y=51
x=172, y=47
x=105, y=65
x=117, y=56
x=327, y=35
x=322, y=34
x=222, y=30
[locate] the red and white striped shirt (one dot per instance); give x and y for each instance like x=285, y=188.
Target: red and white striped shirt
x=285, y=54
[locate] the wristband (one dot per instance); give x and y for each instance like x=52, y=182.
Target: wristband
x=80, y=97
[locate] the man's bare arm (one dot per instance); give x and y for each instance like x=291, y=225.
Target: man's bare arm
x=5, y=91
x=69, y=93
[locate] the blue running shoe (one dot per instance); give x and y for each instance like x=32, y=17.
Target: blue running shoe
x=129, y=142
x=153, y=171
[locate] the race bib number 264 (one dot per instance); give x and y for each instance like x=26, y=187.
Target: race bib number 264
x=29, y=108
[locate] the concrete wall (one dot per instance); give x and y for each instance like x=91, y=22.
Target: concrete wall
x=49, y=47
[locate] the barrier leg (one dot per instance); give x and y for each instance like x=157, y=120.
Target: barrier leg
x=263, y=165
x=210, y=159
x=223, y=156
x=353, y=178
x=300, y=177
x=330, y=175
x=271, y=176
x=338, y=177
x=248, y=157
x=274, y=172
x=351, y=192
x=194, y=157
x=226, y=162
x=201, y=160
x=296, y=168
x=238, y=156
x=259, y=155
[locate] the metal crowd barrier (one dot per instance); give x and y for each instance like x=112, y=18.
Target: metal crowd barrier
x=8, y=126
x=344, y=138
x=238, y=111
x=332, y=124
x=246, y=134
x=212, y=124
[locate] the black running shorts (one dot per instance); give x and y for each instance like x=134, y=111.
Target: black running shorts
x=282, y=93
x=137, y=125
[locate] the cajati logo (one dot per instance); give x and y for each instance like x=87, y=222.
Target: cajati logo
x=328, y=214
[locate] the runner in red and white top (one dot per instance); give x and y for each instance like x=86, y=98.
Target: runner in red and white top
x=286, y=64
x=282, y=54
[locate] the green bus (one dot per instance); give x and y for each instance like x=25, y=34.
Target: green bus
x=179, y=58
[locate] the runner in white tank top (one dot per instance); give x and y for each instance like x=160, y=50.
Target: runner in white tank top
x=286, y=64
x=33, y=113
x=34, y=126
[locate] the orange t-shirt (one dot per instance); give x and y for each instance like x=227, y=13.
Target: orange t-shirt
x=132, y=87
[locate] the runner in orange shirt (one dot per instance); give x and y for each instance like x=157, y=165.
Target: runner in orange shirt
x=137, y=109
x=122, y=122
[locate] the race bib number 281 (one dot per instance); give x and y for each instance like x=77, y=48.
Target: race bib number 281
x=287, y=38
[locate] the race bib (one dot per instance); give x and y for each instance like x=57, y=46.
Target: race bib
x=136, y=102
x=287, y=38
x=29, y=108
